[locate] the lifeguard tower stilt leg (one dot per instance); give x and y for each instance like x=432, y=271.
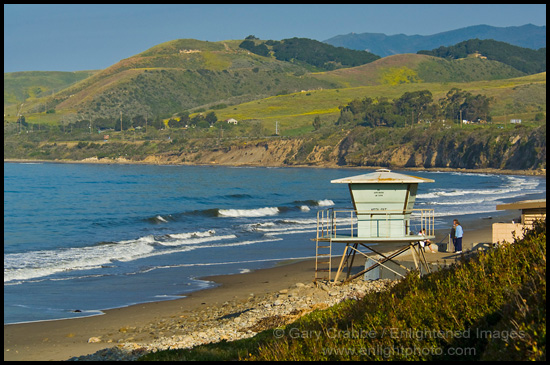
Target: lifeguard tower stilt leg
x=348, y=256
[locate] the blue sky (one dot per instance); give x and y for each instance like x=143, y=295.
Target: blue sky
x=87, y=37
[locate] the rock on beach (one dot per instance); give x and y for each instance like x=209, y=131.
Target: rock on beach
x=231, y=321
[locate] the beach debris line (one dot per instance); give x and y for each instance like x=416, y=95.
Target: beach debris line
x=232, y=320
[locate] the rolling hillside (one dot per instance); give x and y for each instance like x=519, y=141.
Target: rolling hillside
x=522, y=59
x=295, y=112
x=186, y=74
x=20, y=86
x=267, y=95
x=183, y=74
x=413, y=68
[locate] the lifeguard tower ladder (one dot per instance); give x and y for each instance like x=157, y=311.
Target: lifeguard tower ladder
x=382, y=220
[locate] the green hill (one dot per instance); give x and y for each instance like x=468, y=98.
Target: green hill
x=21, y=86
x=320, y=56
x=416, y=68
x=385, y=78
x=180, y=75
x=523, y=59
x=185, y=74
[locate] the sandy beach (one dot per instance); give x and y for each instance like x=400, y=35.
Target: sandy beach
x=63, y=339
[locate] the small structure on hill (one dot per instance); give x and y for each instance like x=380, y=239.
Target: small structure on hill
x=383, y=219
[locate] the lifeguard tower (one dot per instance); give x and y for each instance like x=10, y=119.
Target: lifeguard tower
x=382, y=220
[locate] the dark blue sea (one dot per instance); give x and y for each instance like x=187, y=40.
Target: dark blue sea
x=80, y=238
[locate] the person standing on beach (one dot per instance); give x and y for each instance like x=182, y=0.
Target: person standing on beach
x=459, y=232
x=452, y=237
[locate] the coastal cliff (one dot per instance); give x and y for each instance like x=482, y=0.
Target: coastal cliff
x=473, y=151
x=518, y=149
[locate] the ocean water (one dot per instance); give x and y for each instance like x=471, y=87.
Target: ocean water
x=80, y=238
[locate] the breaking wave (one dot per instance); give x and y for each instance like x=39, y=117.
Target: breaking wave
x=260, y=212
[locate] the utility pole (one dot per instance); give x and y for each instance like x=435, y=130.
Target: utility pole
x=19, y=117
x=276, y=128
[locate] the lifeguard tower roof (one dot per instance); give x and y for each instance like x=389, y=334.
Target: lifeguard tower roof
x=381, y=176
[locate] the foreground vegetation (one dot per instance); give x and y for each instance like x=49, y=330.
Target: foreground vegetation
x=490, y=306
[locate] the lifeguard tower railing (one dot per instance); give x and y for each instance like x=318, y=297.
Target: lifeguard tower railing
x=385, y=229
x=342, y=224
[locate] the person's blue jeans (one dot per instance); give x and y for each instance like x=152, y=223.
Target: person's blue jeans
x=458, y=244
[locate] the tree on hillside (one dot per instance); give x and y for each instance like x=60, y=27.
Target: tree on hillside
x=138, y=121
x=158, y=123
x=201, y=121
x=414, y=107
x=184, y=118
x=126, y=123
x=308, y=51
x=452, y=102
x=317, y=123
x=380, y=113
x=260, y=49
x=211, y=118
x=173, y=123
x=476, y=108
x=103, y=123
x=414, y=104
x=462, y=104
x=346, y=116
x=22, y=121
